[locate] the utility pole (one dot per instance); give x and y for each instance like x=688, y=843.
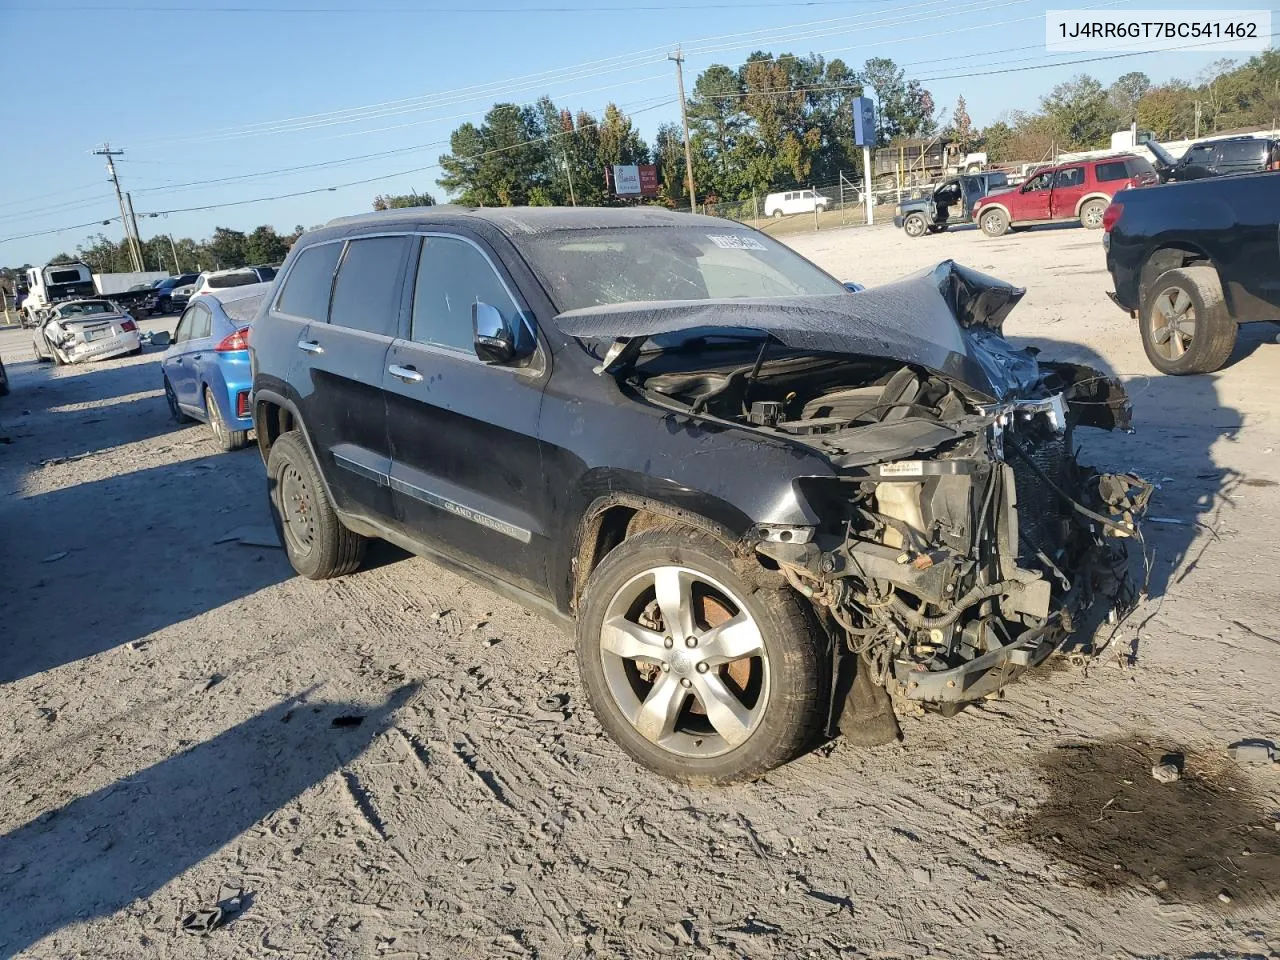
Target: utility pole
x=110, y=154
x=569, y=173
x=174, y=247
x=1197, y=134
x=137, y=235
x=678, y=57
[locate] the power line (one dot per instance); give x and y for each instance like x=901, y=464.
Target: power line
x=46, y=233
x=479, y=91
x=389, y=176
x=322, y=164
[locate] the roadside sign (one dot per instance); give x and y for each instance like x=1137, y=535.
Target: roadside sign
x=648, y=180
x=626, y=180
x=864, y=122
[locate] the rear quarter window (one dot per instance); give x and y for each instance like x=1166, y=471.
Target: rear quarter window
x=1139, y=166
x=1111, y=170
x=306, y=289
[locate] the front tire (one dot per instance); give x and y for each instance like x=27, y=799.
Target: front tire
x=1186, y=326
x=698, y=669
x=1091, y=214
x=227, y=438
x=994, y=223
x=318, y=545
x=777, y=214
x=915, y=225
x=171, y=397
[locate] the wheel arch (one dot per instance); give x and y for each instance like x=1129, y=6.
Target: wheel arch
x=995, y=206
x=609, y=517
x=1168, y=256
x=1106, y=198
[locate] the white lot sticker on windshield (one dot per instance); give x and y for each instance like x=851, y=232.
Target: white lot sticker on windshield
x=732, y=241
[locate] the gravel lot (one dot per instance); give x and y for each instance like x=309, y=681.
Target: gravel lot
x=167, y=708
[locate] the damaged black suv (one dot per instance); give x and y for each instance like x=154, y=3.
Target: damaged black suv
x=771, y=507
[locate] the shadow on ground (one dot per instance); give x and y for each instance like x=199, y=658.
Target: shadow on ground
x=1177, y=420
x=102, y=851
x=95, y=565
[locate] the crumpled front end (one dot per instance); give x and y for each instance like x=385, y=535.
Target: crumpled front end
x=950, y=574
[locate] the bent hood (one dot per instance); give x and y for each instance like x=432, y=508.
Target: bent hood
x=948, y=319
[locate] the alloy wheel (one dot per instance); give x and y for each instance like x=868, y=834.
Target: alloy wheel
x=685, y=662
x=1173, y=323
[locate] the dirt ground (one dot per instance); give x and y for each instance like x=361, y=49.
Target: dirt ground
x=168, y=707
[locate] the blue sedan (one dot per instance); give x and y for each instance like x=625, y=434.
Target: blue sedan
x=206, y=368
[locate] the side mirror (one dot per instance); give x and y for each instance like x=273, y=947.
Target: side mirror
x=492, y=337
x=161, y=338
x=853, y=287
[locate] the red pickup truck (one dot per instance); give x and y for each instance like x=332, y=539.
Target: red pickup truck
x=1066, y=191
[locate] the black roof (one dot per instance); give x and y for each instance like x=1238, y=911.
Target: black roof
x=515, y=221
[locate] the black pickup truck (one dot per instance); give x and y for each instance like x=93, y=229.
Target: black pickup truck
x=1193, y=260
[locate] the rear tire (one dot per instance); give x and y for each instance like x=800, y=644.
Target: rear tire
x=318, y=545
x=1186, y=326
x=765, y=681
x=1091, y=214
x=994, y=223
x=915, y=225
x=226, y=438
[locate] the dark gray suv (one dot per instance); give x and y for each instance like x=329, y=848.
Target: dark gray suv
x=770, y=507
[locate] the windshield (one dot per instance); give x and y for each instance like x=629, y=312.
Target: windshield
x=591, y=268
x=86, y=308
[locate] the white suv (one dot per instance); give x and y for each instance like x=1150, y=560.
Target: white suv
x=794, y=201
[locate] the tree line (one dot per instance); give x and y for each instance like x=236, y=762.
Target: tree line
x=777, y=122
x=770, y=123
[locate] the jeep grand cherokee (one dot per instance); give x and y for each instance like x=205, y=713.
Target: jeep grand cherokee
x=770, y=507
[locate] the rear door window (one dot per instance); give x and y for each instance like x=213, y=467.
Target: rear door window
x=1070, y=177
x=452, y=275
x=366, y=295
x=306, y=290
x=1241, y=151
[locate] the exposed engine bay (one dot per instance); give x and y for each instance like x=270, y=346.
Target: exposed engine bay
x=958, y=540
x=948, y=572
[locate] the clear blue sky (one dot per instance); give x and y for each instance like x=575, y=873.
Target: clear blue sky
x=208, y=89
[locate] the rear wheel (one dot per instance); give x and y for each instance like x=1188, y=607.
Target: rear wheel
x=318, y=545
x=915, y=225
x=1186, y=327
x=994, y=223
x=1091, y=214
x=227, y=438
x=697, y=672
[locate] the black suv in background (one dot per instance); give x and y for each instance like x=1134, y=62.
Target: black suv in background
x=163, y=300
x=767, y=504
x=1218, y=158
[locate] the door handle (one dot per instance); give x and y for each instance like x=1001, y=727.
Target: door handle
x=196, y=356
x=310, y=346
x=407, y=374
